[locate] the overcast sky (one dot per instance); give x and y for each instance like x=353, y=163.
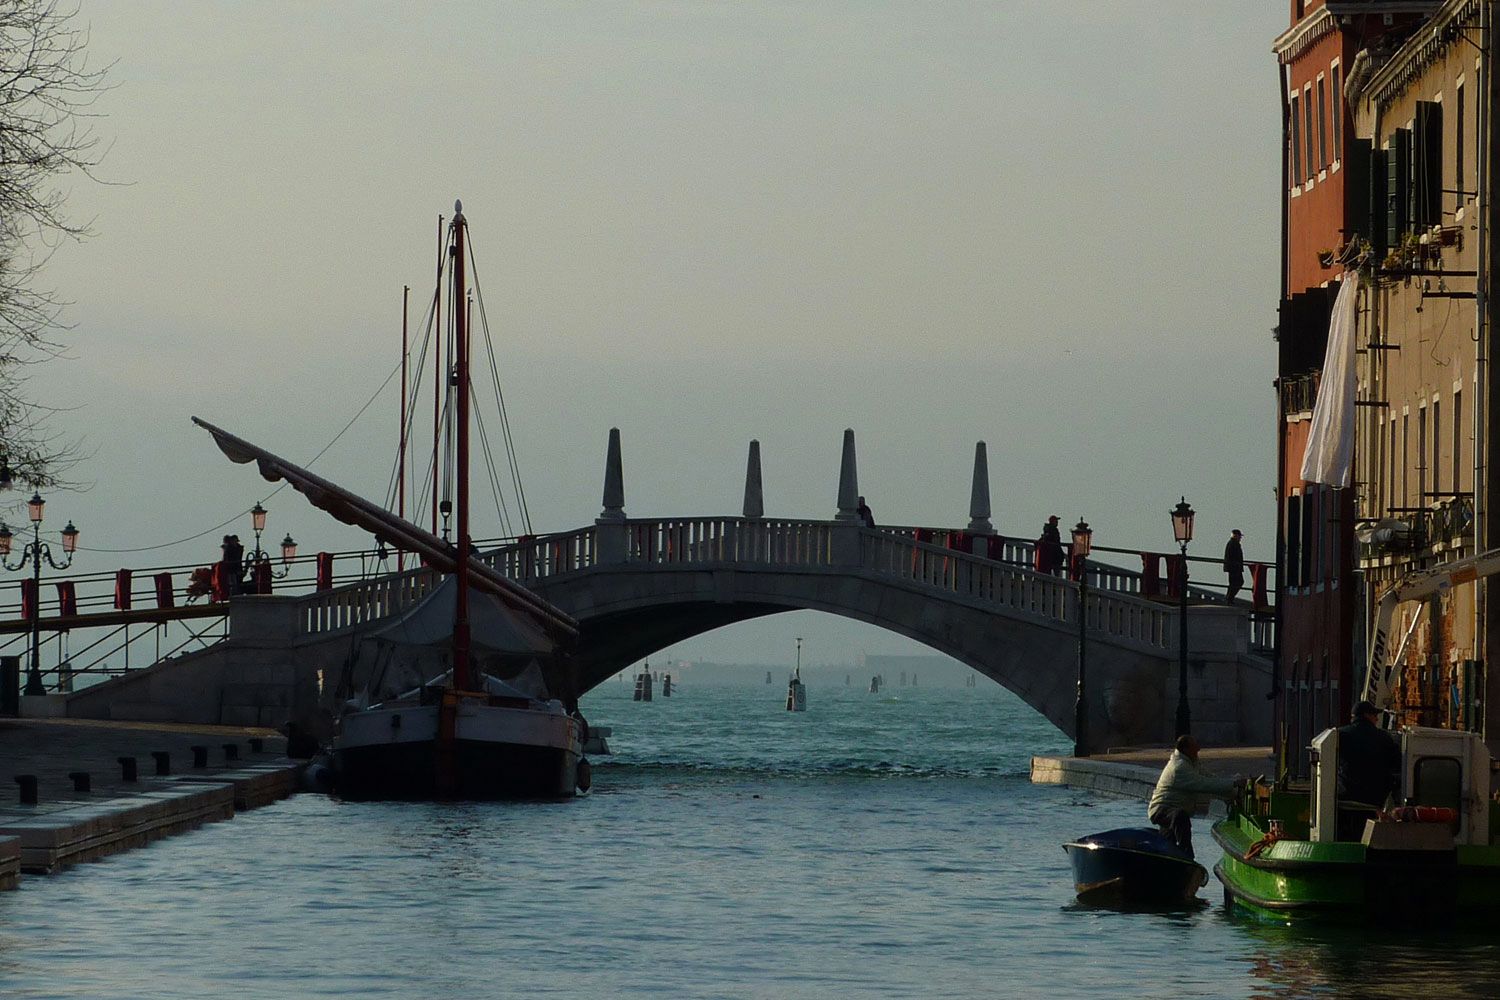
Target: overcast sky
x=1052, y=227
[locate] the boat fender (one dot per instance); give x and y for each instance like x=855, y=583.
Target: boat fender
x=585, y=778
x=1424, y=814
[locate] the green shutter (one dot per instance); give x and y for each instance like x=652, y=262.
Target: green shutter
x=1397, y=186
x=1374, y=208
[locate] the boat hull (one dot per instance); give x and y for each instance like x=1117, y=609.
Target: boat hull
x=1348, y=881
x=497, y=753
x=1133, y=866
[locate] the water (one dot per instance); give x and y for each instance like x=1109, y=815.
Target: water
x=875, y=846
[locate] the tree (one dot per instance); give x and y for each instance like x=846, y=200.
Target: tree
x=47, y=91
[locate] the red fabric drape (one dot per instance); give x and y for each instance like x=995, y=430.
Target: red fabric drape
x=219, y=583
x=1150, y=574
x=122, y=590
x=262, y=577
x=959, y=541
x=1258, y=576
x=1175, y=577
x=325, y=571
x=995, y=547
x=28, y=599
x=67, y=598
x=1075, y=566
x=163, y=590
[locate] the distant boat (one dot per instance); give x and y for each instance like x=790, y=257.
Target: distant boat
x=796, y=691
x=768, y=677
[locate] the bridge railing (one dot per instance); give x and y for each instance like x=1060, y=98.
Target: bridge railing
x=1024, y=590
x=358, y=603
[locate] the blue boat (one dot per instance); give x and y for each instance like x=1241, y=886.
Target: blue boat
x=1133, y=865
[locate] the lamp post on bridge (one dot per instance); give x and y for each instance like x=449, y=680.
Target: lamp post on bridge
x=34, y=552
x=260, y=555
x=1182, y=531
x=1082, y=542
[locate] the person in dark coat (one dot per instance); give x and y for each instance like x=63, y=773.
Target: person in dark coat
x=1234, y=565
x=234, y=564
x=865, y=516
x=1050, y=545
x=1369, y=759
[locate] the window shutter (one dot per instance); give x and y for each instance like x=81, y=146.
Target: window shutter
x=1427, y=163
x=1397, y=186
x=1357, y=187
x=1376, y=207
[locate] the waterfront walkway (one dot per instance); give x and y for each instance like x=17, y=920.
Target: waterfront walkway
x=1133, y=773
x=242, y=768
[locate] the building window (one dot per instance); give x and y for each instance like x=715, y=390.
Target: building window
x=1294, y=541
x=1322, y=125
x=1309, y=536
x=1458, y=147
x=1296, y=142
x=1458, y=441
x=1406, y=459
x=1422, y=496
x=1307, y=124
x=1437, y=450
x=1336, y=95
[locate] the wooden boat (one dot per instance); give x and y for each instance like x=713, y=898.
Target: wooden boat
x=1133, y=865
x=1292, y=852
x=454, y=730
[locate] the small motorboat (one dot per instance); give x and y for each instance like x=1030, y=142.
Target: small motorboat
x=1134, y=865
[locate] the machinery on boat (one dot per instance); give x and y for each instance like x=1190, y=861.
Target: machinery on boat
x=1292, y=850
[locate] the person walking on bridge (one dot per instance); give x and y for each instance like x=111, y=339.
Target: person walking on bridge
x=1183, y=783
x=1234, y=566
x=1049, y=550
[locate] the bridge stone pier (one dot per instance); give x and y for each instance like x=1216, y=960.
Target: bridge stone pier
x=637, y=586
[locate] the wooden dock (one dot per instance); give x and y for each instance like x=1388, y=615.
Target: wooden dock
x=212, y=772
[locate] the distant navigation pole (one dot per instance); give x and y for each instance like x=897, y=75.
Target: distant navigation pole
x=643, y=684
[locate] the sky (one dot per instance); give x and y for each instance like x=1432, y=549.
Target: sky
x=1050, y=227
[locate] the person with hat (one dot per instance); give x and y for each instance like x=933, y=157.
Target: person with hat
x=1234, y=565
x=1049, y=555
x=1369, y=769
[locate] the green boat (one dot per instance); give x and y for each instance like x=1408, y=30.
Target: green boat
x=1294, y=851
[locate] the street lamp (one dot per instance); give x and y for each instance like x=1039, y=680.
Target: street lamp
x=35, y=551
x=1182, y=531
x=260, y=555
x=1082, y=541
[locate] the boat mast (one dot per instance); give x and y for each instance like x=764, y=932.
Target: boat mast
x=401, y=440
x=461, y=408
x=437, y=376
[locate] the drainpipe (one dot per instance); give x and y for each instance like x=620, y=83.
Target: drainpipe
x=1282, y=72
x=1482, y=330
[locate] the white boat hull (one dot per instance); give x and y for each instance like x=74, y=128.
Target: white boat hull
x=499, y=752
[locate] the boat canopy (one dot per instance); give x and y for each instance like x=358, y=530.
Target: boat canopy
x=496, y=629
x=356, y=510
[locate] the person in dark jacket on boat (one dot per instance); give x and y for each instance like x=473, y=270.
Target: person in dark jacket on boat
x=1369, y=759
x=1179, y=790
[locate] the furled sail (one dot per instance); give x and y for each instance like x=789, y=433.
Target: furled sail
x=351, y=508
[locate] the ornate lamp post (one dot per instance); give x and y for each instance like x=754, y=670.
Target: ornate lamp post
x=1182, y=531
x=260, y=555
x=35, y=551
x=1083, y=537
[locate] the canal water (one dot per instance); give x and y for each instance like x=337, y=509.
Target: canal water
x=876, y=846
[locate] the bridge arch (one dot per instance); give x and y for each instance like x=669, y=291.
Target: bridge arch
x=626, y=614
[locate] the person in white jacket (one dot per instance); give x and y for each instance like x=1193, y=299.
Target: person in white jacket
x=1178, y=793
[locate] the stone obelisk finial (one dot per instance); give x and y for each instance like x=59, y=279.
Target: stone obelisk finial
x=755, y=504
x=979, y=494
x=848, y=482
x=614, y=481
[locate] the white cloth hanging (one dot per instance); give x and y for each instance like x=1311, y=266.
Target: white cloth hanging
x=1329, y=457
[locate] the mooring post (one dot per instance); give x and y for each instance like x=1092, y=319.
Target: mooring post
x=81, y=782
x=163, y=760
x=127, y=769
x=979, y=503
x=610, y=529
x=27, y=783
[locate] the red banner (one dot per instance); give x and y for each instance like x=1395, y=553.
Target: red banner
x=122, y=590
